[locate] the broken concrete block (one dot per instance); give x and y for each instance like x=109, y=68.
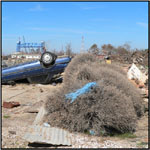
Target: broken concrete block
x=40, y=115
x=10, y=104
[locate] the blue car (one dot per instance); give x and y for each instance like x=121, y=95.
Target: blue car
x=40, y=71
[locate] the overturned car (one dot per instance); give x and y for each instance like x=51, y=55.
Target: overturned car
x=39, y=71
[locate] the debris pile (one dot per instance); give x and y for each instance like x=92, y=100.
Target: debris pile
x=139, y=57
x=12, y=62
x=113, y=105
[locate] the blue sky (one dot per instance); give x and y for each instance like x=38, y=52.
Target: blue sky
x=59, y=23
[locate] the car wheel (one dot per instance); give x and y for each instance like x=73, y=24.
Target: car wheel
x=48, y=59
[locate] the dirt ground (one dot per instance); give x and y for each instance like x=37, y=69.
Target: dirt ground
x=15, y=121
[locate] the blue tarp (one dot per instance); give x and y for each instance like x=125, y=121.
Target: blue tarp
x=86, y=88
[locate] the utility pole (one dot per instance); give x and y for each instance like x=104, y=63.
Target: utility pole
x=24, y=44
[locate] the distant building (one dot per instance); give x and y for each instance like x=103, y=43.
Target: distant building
x=25, y=56
x=101, y=55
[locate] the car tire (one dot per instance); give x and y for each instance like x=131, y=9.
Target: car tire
x=48, y=59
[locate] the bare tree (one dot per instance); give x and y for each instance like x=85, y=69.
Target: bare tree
x=127, y=46
x=108, y=48
x=68, y=49
x=54, y=51
x=122, y=51
x=94, y=49
x=60, y=53
x=47, y=44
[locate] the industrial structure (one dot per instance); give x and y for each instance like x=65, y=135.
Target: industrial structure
x=28, y=50
x=30, y=47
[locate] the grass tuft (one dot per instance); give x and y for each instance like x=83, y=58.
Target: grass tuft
x=126, y=135
x=6, y=116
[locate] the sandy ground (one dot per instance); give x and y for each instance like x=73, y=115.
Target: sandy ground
x=16, y=121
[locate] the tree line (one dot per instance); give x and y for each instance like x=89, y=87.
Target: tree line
x=106, y=49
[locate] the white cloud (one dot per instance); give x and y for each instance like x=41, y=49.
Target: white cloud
x=56, y=30
x=66, y=31
x=142, y=24
x=37, y=8
x=75, y=31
